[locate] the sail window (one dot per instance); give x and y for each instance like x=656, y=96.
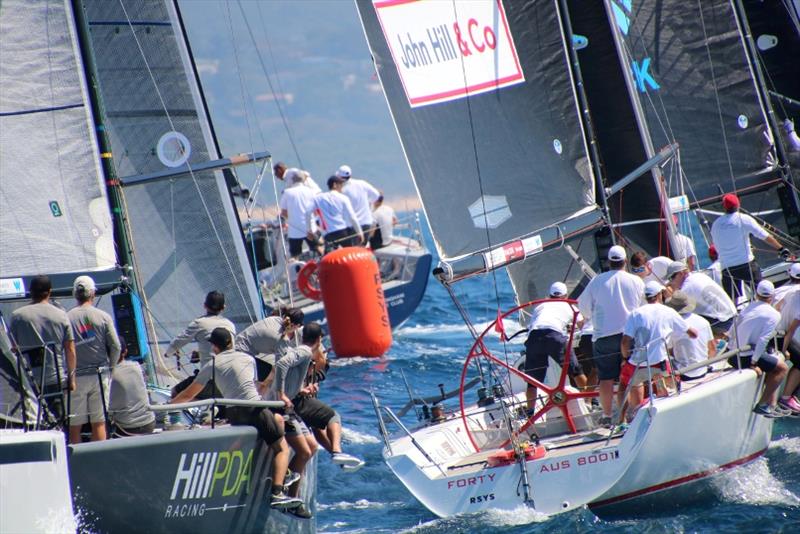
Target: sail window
x=173, y=149
x=490, y=211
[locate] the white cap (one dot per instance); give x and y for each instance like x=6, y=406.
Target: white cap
x=794, y=270
x=344, y=171
x=83, y=282
x=765, y=289
x=294, y=175
x=616, y=253
x=676, y=267
x=652, y=288
x=558, y=289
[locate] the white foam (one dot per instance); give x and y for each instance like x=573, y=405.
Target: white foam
x=352, y=360
x=60, y=520
x=790, y=445
x=521, y=515
x=487, y=520
x=510, y=325
x=358, y=438
x=754, y=484
x=360, y=504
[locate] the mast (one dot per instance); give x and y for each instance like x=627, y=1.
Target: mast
x=113, y=186
x=658, y=177
x=586, y=118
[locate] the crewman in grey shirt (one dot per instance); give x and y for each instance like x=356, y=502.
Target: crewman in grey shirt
x=42, y=333
x=97, y=349
x=129, y=400
x=270, y=337
x=200, y=329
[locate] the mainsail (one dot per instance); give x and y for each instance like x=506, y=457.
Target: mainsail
x=482, y=97
x=54, y=213
x=185, y=234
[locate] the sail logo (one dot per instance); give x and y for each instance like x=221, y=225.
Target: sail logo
x=12, y=287
x=449, y=50
x=206, y=475
x=644, y=80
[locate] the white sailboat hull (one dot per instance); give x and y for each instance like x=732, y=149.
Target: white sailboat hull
x=699, y=433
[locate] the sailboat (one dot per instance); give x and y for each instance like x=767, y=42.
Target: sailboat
x=565, y=127
x=110, y=167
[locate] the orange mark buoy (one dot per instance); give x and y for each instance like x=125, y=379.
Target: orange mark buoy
x=358, y=320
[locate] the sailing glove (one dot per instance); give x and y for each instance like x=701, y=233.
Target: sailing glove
x=785, y=254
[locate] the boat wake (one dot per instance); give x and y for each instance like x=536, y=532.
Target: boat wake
x=754, y=484
x=357, y=438
x=488, y=520
x=360, y=504
x=437, y=330
x=790, y=445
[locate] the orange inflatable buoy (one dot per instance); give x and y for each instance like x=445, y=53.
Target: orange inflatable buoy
x=358, y=320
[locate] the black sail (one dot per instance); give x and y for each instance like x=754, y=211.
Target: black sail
x=484, y=104
x=688, y=68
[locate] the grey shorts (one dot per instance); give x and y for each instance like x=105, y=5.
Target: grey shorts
x=295, y=426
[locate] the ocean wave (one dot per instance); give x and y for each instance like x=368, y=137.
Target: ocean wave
x=358, y=438
x=360, y=504
x=481, y=521
x=790, y=445
x=754, y=484
x=511, y=326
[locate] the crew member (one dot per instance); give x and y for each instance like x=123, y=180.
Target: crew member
x=644, y=342
x=789, y=308
x=685, y=349
x=42, y=332
x=297, y=202
x=608, y=300
x=362, y=195
x=235, y=376
x=756, y=326
x=268, y=338
x=711, y=300
x=200, y=328
x=282, y=172
x=385, y=219
x=97, y=346
x=548, y=328
x=291, y=369
x=128, y=405
x=685, y=250
x=714, y=271
x=336, y=211
x=731, y=236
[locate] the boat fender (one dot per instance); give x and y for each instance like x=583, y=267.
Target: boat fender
x=501, y=458
x=304, y=281
x=352, y=293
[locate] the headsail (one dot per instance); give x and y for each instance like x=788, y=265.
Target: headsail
x=483, y=101
x=54, y=215
x=186, y=238
x=688, y=71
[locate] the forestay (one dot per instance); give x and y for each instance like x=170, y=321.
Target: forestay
x=54, y=214
x=483, y=101
x=186, y=237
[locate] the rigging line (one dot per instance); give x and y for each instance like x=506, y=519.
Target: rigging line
x=189, y=166
x=716, y=95
x=229, y=19
x=275, y=69
x=480, y=180
x=284, y=120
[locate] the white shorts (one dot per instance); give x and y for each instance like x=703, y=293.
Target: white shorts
x=86, y=403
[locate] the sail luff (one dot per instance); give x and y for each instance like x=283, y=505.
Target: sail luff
x=644, y=131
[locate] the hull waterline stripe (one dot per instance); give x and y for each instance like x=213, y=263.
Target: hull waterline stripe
x=678, y=481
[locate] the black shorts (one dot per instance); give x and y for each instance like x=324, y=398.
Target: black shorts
x=539, y=345
x=376, y=241
x=261, y=418
x=313, y=412
x=767, y=362
x=296, y=245
x=607, y=357
x=732, y=277
x=583, y=350
x=719, y=327
x=794, y=354
x=345, y=237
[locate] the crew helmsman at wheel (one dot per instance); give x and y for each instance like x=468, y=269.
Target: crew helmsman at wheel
x=731, y=235
x=549, y=329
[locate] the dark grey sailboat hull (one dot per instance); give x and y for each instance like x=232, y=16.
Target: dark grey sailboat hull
x=194, y=481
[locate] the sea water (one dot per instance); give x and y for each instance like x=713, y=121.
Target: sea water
x=429, y=349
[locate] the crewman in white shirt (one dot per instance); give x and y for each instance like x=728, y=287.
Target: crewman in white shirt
x=685, y=250
x=712, y=303
x=644, y=342
x=282, y=172
x=756, y=326
x=607, y=301
x=714, y=271
x=687, y=350
x=296, y=203
x=335, y=212
x=731, y=236
x=789, y=308
x=654, y=269
x=548, y=328
x=362, y=195
x=385, y=220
